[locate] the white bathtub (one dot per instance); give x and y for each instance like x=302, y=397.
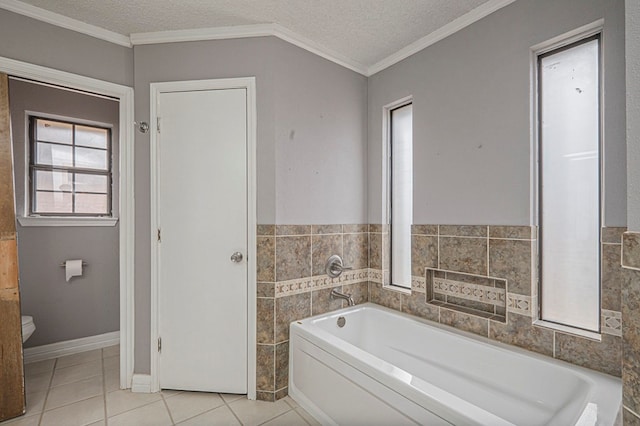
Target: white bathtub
x=386, y=368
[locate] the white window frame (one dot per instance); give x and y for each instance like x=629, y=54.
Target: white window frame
x=34, y=166
x=29, y=220
x=386, y=186
x=555, y=43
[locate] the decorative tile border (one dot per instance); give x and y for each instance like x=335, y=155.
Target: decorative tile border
x=418, y=284
x=519, y=304
x=611, y=322
x=468, y=291
x=376, y=276
x=319, y=282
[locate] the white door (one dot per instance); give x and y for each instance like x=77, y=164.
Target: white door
x=202, y=216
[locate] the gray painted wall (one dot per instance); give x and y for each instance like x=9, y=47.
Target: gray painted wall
x=311, y=134
x=472, y=114
x=90, y=304
x=320, y=137
x=633, y=113
x=39, y=43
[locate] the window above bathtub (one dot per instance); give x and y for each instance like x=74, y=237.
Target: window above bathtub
x=399, y=200
x=569, y=181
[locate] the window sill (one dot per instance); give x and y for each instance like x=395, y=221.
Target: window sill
x=66, y=221
x=399, y=289
x=569, y=330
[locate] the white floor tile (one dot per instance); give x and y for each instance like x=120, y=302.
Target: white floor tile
x=112, y=380
x=35, y=402
x=72, y=392
x=37, y=382
x=307, y=417
x=112, y=363
x=39, y=367
x=290, y=418
x=125, y=400
x=78, y=372
x=219, y=416
x=290, y=401
x=230, y=397
x=77, y=414
x=189, y=404
x=79, y=358
x=168, y=393
x=257, y=412
x=110, y=351
x=154, y=414
x=22, y=421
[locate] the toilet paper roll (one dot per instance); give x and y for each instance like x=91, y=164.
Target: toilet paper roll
x=73, y=268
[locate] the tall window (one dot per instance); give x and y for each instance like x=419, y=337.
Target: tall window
x=401, y=193
x=70, y=169
x=569, y=184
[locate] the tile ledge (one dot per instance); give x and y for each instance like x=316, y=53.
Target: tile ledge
x=591, y=335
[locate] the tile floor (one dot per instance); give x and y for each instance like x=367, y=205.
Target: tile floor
x=82, y=389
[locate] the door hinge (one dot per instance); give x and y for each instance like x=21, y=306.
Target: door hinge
x=158, y=124
x=159, y=236
x=159, y=344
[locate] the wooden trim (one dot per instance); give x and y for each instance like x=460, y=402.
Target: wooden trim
x=12, y=397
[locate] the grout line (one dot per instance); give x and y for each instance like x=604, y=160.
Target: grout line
x=631, y=411
x=488, y=241
x=554, y=343
x=167, y=407
x=46, y=397
x=230, y=409
x=279, y=415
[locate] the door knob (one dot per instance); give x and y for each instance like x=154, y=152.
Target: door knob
x=236, y=257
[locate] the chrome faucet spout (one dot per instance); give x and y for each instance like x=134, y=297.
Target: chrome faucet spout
x=335, y=294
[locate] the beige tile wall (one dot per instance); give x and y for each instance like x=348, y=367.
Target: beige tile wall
x=292, y=285
x=509, y=252
x=631, y=330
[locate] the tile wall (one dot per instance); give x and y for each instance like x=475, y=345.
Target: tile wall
x=496, y=253
x=486, y=285
x=292, y=285
x=631, y=330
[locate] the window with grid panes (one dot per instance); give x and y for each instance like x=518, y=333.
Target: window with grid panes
x=69, y=169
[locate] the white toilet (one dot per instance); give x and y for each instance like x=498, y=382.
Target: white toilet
x=28, y=327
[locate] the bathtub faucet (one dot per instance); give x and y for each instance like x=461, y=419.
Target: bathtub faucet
x=335, y=294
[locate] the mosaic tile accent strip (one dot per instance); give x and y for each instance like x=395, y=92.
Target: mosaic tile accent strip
x=462, y=290
x=611, y=322
x=319, y=282
x=376, y=276
x=419, y=284
x=519, y=304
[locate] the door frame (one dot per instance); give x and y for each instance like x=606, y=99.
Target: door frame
x=249, y=84
x=126, y=216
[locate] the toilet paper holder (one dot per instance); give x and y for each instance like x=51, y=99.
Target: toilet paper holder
x=64, y=264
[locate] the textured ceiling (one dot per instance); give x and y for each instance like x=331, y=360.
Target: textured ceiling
x=365, y=31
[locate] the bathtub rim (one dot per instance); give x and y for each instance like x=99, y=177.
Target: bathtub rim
x=601, y=392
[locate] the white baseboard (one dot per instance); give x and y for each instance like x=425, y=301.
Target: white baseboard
x=69, y=347
x=141, y=383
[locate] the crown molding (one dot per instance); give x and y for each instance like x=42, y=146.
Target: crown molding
x=257, y=30
x=441, y=33
x=64, y=22
x=198, y=34
x=247, y=31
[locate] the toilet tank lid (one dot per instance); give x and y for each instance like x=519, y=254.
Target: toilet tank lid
x=26, y=319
